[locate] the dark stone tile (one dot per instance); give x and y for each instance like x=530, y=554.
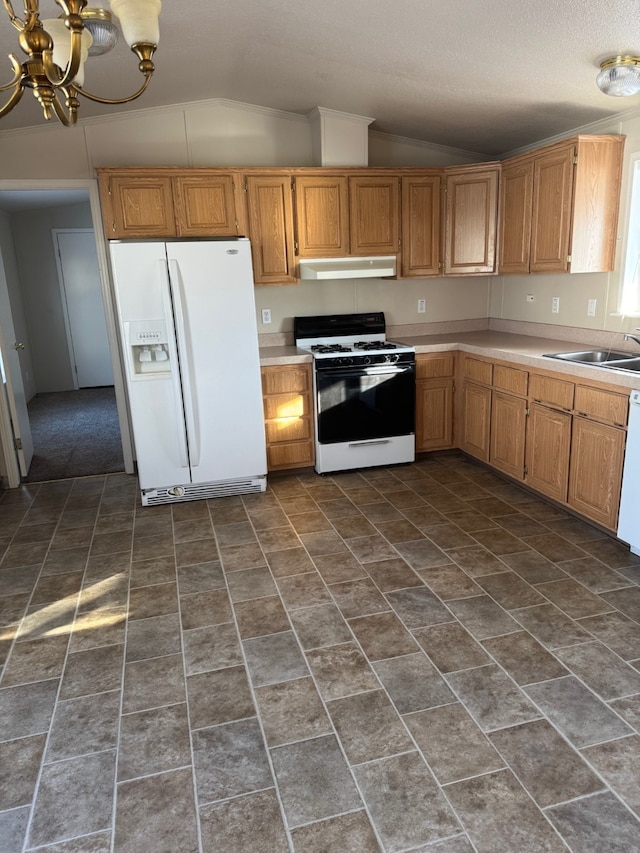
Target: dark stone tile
x=314, y=780
x=382, y=635
x=449, y=581
x=200, y=577
x=83, y=725
x=405, y=804
x=189, y=531
x=54, y=619
x=424, y=515
x=230, y=688
x=573, y=598
x=239, y=533
x=237, y=557
x=491, y=697
x=290, y=561
x=205, y=608
x=594, y=575
x=309, y=522
x=448, y=536
x=194, y=553
x=554, y=547
x=547, y=767
x=280, y=538
x=368, y=549
x=418, y=607
x=13, y=828
x=319, y=626
x=626, y=600
x=110, y=593
x=212, y=647
x=153, y=742
x=276, y=657
x=476, y=561
x=92, y=671
x=413, y=683
x=261, y=616
x=156, y=813
x=516, y=825
x=341, y=670
x=291, y=711
x=74, y=797
x=483, y=617
x=392, y=574
x=453, y=745
x=12, y=608
x=152, y=683
x=510, y=591
x=521, y=525
x=450, y=647
x=65, y=561
x=500, y=542
x=601, y=670
x=155, y=570
x=550, y=626
x=230, y=760
x=616, y=631
x=629, y=710
x=250, y=583
x=618, y=763
x=575, y=530
x=533, y=567
x=19, y=580
x=339, y=568
x=338, y=508
x=157, y=600
x=222, y=513
x=400, y=530
x=596, y=823
x=524, y=658
x=250, y=822
x=422, y=554
x=20, y=760
x=35, y=660
x=576, y=712
x=611, y=552
x=56, y=587
x=353, y=526
x=470, y=520
x=491, y=507
x=148, y=638
x=368, y=726
x=303, y=590
x=358, y=597
x=337, y=834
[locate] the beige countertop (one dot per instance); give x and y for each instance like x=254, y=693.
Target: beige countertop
x=521, y=349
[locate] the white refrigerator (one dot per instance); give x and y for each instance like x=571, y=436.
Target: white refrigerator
x=189, y=339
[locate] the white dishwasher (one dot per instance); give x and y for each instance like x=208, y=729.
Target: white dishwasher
x=629, y=518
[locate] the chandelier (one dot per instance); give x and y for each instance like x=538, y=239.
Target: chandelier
x=57, y=49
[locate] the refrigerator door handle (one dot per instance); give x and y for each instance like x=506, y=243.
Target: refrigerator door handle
x=175, y=380
x=186, y=363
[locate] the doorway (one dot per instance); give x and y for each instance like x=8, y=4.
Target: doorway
x=50, y=313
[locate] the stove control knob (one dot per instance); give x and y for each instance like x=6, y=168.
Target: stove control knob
x=345, y=361
x=367, y=359
x=392, y=359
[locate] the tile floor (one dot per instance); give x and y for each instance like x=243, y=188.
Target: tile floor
x=422, y=658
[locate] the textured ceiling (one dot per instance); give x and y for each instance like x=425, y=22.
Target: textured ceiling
x=487, y=76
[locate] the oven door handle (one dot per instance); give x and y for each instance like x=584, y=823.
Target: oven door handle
x=366, y=370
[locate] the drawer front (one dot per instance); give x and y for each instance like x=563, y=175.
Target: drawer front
x=602, y=405
x=280, y=380
x=554, y=392
x=288, y=429
x=510, y=379
x=290, y=455
x=434, y=366
x=478, y=371
x=285, y=406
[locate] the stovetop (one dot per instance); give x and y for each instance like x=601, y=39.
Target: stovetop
x=348, y=339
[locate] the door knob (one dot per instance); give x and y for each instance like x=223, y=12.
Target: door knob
x=18, y=345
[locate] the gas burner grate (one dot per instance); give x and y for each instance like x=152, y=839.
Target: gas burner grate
x=373, y=345
x=330, y=348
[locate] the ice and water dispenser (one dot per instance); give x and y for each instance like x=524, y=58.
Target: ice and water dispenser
x=148, y=348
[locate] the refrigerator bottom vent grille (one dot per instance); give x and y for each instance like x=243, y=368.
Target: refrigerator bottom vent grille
x=201, y=491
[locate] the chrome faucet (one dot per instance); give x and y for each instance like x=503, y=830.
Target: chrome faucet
x=635, y=338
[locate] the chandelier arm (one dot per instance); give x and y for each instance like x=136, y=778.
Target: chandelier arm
x=17, y=22
x=68, y=120
x=13, y=100
x=17, y=73
x=68, y=73
x=100, y=100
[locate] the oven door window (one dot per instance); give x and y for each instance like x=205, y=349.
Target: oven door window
x=356, y=404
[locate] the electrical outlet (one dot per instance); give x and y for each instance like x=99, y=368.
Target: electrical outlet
x=530, y=297
x=422, y=306
x=266, y=316
x=555, y=305
x=591, y=307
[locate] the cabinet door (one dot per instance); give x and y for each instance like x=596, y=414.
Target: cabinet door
x=322, y=217
x=476, y=420
x=420, y=226
x=516, y=188
x=434, y=414
x=548, y=442
x=271, y=229
x=205, y=206
x=470, y=226
x=552, y=199
x=595, y=480
x=373, y=215
x=139, y=207
x=508, y=424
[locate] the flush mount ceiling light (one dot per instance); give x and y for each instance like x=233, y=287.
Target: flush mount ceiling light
x=104, y=32
x=58, y=48
x=620, y=76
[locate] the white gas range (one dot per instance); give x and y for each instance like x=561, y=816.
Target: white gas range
x=364, y=391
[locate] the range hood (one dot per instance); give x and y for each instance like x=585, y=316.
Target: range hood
x=326, y=268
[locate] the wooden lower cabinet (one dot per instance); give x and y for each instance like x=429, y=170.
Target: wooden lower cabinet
x=475, y=420
x=595, y=477
x=508, y=424
x=434, y=401
x=548, y=449
x=288, y=416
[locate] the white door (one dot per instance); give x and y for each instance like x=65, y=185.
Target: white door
x=79, y=276
x=11, y=378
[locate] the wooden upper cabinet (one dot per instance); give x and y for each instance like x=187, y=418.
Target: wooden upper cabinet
x=374, y=215
x=137, y=206
x=471, y=209
x=516, y=189
x=420, y=253
x=322, y=216
x=205, y=206
x=271, y=228
x=559, y=207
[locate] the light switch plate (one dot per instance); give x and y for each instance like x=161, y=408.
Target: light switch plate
x=422, y=306
x=555, y=305
x=591, y=307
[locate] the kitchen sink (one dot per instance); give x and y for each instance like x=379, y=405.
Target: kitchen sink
x=594, y=356
x=627, y=363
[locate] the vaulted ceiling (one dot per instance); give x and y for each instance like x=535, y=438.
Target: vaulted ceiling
x=487, y=76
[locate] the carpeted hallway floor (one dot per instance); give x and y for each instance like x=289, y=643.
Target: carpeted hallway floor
x=75, y=434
